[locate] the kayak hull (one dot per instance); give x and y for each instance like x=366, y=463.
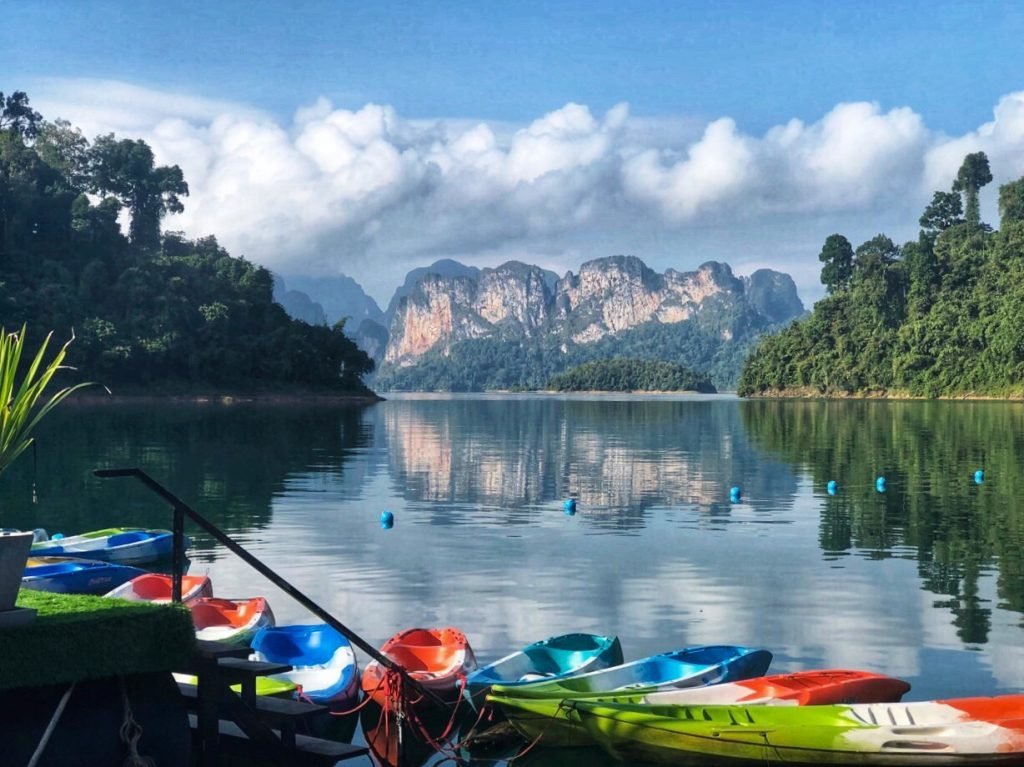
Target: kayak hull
x=156, y=587
x=72, y=575
x=439, y=659
x=234, y=621
x=971, y=731
x=324, y=668
x=557, y=657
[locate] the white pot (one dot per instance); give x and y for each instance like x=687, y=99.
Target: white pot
x=14, y=549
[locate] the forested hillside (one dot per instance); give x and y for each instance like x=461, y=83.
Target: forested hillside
x=147, y=309
x=630, y=375
x=941, y=316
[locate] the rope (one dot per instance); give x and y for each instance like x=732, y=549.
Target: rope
x=51, y=726
x=131, y=731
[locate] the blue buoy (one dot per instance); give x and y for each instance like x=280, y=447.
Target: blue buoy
x=735, y=494
x=979, y=477
x=880, y=484
x=569, y=506
x=387, y=520
x=832, y=487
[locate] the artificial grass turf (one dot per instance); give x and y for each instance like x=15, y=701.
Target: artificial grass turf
x=78, y=637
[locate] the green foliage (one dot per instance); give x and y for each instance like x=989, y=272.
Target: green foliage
x=837, y=255
x=940, y=317
x=153, y=310
x=630, y=375
x=21, y=401
x=1011, y=202
x=974, y=173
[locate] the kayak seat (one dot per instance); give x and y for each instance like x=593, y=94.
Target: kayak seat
x=122, y=539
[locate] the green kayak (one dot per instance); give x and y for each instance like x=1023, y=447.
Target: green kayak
x=536, y=710
x=967, y=731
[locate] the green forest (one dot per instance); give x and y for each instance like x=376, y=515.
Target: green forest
x=941, y=316
x=151, y=308
x=630, y=375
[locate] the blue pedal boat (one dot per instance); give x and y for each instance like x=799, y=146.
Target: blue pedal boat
x=324, y=668
x=125, y=544
x=553, y=658
x=70, y=575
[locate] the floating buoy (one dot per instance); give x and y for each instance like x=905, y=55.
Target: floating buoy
x=832, y=487
x=387, y=520
x=979, y=477
x=569, y=507
x=735, y=494
x=880, y=484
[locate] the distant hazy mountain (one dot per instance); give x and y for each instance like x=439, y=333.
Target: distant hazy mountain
x=298, y=305
x=515, y=326
x=340, y=296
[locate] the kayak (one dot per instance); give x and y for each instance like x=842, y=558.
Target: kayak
x=964, y=731
x=274, y=688
x=156, y=587
x=114, y=544
x=234, y=621
x=802, y=688
x=439, y=659
x=70, y=575
x=552, y=658
x=323, y=663
x=536, y=710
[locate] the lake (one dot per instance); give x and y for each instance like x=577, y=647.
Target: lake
x=924, y=581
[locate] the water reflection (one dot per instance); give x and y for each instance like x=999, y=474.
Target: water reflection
x=932, y=510
x=923, y=582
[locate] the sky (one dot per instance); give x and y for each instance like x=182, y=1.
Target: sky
x=367, y=139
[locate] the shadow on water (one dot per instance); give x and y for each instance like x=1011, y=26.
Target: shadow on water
x=932, y=510
x=229, y=462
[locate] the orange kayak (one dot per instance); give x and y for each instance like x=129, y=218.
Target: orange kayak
x=154, y=587
x=801, y=688
x=437, y=658
x=235, y=621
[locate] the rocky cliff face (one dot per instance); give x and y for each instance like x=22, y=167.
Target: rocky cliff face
x=607, y=297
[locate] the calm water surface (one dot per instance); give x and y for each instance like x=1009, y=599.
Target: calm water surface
x=924, y=582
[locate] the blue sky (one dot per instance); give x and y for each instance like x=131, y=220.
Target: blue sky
x=930, y=74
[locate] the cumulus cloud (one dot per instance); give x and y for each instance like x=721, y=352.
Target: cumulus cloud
x=369, y=193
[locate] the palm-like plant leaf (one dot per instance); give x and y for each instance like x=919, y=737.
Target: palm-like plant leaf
x=21, y=404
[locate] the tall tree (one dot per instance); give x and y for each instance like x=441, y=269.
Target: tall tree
x=945, y=210
x=17, y=116
x=973, y=175
x=127, y=170
x=837, y=255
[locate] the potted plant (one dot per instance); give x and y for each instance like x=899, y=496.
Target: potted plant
x=22, y=407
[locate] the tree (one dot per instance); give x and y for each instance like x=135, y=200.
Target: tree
x=1011, y=202
x=837, y=255
x=126, y=169
x=972, y=176
x=63, y=147
x=17, y=116
x=945, y=210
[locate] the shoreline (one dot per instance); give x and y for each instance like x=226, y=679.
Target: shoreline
x=872, y=394
x=87, y=398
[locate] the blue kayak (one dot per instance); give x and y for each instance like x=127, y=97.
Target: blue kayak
x=130, y=544
x=69, y=575
x=322, y=660
x=553, y=658
x=689, y=667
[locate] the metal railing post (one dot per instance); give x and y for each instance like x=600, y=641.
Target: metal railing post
x=182, y=509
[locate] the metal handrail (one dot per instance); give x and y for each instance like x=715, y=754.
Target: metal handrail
x=182, y=509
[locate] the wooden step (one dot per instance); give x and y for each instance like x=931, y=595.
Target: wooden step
x=274, y=711
x=308, y=750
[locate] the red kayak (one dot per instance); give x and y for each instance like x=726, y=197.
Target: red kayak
x=437, y=658
x=155, y=587
x=802, y=688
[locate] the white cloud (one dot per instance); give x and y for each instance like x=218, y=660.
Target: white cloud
x=366, y=192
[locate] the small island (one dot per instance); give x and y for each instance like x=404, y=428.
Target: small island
x=630, y=375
